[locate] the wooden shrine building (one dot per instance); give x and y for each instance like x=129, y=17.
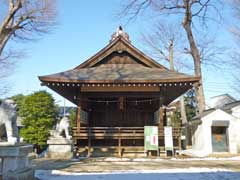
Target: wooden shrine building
x=118, y=91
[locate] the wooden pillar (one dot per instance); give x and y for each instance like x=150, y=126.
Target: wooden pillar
x=160, y=129
x=161, y=115
x=78, y=116
x=89, y=141
x=119, y=143
x=165, y=123
x=180, y=140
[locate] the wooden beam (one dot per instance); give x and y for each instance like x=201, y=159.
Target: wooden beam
x=121, y=94
x=127, y=88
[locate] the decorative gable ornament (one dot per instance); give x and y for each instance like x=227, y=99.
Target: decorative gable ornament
x=121, y=33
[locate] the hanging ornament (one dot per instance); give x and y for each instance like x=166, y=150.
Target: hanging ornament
x=121, y=103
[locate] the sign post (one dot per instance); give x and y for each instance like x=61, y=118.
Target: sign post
x=151, y=139
x=168, y=139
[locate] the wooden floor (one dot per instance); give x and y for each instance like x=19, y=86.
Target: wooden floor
x=91, y=141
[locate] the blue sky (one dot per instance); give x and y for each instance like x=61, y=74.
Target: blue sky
x=84, y=28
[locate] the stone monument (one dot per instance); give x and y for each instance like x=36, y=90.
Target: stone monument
x=60, y=141
x=14, y=162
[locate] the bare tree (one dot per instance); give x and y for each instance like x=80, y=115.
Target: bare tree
x=25, y=18
x=236, y=55
x=188, y=10
x=161, y=42
x=22, y=20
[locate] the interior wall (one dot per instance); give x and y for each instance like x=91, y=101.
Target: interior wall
x=125, y=115
x=118, y=118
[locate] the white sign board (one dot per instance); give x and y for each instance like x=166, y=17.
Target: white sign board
x=168, y=138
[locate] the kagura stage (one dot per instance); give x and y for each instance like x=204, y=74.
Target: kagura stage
x=118, y=91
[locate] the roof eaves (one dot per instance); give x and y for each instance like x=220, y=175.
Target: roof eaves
x=49, y=79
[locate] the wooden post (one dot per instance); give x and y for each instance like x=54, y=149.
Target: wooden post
x=89, y=141
x=160, y=125
x=78, y=116
x=119, y=143
x=179, y=140
x=160, y=128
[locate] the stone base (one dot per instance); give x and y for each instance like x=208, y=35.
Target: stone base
x=24, y=174
x=14, y=161
x=59, y=148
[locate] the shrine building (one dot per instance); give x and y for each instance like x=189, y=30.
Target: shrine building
x=118, y=91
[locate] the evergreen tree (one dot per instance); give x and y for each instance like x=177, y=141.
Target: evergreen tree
x=190, y=104
x=190, y=107
x=72, y=117
x=39, y=114
x=20, y=100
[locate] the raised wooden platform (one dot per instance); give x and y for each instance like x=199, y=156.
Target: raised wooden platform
x=116, y=140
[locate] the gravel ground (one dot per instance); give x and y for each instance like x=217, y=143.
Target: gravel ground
x=115, y=164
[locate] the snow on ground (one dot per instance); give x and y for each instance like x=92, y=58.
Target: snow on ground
x=237, y=158
x=194, y=153
x=115, y=159
x=165, y=174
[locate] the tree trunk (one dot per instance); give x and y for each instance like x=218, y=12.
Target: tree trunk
x=3, y=41
x=170, y=57
x=183, y=110
x=197, y=65
x=171, y=64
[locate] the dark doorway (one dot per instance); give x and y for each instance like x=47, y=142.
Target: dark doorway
x=219, y=139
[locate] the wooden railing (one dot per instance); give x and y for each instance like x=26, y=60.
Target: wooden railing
x=117, y=132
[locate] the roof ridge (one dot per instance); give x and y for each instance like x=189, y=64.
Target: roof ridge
x=96, y=58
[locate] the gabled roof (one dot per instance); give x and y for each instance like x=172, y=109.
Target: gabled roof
x=226, y=108
x=120, y=44
x=221, y=100
x=199, y=118
x=119, y=61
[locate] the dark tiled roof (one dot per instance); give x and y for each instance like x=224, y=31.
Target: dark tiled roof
x=229, y=106
x=118, y=73
x=204, y=113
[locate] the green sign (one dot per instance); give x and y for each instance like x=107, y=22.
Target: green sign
x=150, y=138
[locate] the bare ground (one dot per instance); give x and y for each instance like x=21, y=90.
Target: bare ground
x=104, y=165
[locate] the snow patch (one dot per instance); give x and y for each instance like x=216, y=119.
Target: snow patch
x=193, y=153
x=176, y=170
x=114, y=159
x=166, y=174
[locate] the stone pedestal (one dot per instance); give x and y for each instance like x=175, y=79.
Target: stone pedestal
x=59, y=148
x=14, y=162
